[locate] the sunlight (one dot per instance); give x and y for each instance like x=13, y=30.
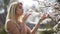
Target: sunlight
x=28, y=2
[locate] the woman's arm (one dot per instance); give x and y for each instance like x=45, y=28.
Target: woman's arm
x=26, y=16
x=11, y=27
x=33, y=31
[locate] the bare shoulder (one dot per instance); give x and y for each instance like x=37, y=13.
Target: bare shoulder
x=11, y=27
x=10, y=24
x=9, y=21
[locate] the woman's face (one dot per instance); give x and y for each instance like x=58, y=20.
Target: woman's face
x=19, y=10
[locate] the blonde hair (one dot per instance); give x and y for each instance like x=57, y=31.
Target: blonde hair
x=11, y=12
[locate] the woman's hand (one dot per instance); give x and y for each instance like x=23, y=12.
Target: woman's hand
x=26, y=17
x=44, y=16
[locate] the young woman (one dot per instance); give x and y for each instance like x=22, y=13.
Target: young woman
x=15, y=22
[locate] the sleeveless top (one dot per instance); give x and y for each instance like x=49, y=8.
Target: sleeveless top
x=17, y=25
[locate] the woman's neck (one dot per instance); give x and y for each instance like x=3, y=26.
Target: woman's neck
x=18, y=18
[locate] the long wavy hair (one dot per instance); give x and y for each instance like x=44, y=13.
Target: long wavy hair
x=12, y=10
x=11, y=14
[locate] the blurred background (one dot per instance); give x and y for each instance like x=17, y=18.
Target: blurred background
x=50, y=25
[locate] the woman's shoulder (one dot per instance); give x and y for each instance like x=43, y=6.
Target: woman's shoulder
x=10, y=21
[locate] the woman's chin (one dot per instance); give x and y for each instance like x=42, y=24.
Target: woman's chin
x=20, y=14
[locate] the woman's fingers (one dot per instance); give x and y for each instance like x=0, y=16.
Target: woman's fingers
x=28, y=13
x=26, y=16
